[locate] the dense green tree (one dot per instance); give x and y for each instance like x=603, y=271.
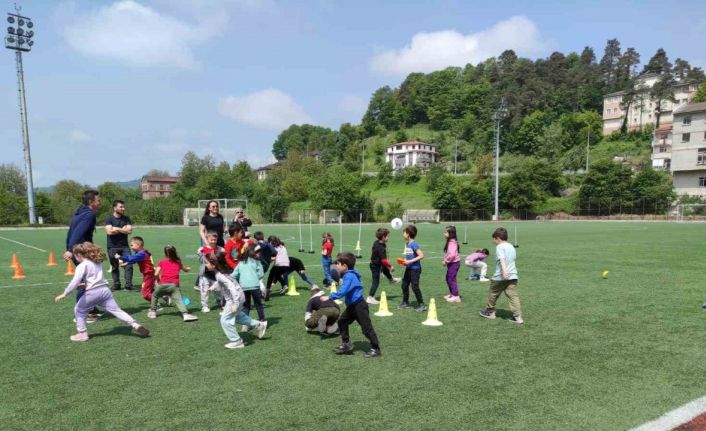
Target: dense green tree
x=607, y=186
x=652, y=190
x=305, y=139
x=609, y=64
x=12, y=180
x=65, y=198
x=445, y=194
x=336, y=189
x=659, y=63
x=700, y=95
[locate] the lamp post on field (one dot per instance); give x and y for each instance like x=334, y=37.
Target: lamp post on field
x=19, y=39
x=500, y=113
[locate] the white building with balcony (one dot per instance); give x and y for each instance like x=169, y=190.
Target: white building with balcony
x=642, y=109
x=688, y=156
x=411, y=153
x=662, y=148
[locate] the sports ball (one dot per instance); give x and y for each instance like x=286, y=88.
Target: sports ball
x=605, y=274
x=186, y=300
x=396, y=223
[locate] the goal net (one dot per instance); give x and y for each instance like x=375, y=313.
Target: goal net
x=226, y=207
x=421, y=216
x=689, y=212
x=330, y=216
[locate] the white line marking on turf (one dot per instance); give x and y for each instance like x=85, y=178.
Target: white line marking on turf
x=21, y=243
x=31, y=285
x=676, y=417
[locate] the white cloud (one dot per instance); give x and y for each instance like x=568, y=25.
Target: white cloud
x=78, y=136
x=437, y=50
x=267, y=109
x=353, y=105
x=137, y=35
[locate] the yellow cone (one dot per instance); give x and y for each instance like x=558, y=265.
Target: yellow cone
x=292, y=290
x=334, y=289
x=383, y=311
x=432, y=317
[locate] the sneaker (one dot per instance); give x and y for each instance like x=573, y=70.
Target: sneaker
x=245, y=328
x=80, y=336
x=421, y=308
x=130, y=288
x=395, y=280
x=322, y=324
x=159, y=307
x=517, y=319
x=152, y=314
x=189, y=317
x=484, y=279
x=371, y=300
x=402, y=306
x=205, y=309
x=117, y=287
x=144, y=332
x=235, y=345
x=446, y=297
x=332, y=329
x=487, y=314
x=262, y=329
x=88, y=320
x=283, y=289
x=453, y=299
x=94, y=316
x=344, y=349
x=373, y=353
x=197, y=288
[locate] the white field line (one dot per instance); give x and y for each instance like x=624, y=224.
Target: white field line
x=33, y=285
x=676, y=417
x=23, y=244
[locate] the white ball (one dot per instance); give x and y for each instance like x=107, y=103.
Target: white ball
x=396, y=223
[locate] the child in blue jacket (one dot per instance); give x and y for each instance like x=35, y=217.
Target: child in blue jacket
x=356, y=308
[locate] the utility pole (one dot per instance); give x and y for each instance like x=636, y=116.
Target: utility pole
x=498, y=116
x=456, y=156
x=19, y=38
x=588, y=146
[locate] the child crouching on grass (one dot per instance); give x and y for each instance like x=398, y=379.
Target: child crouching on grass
x=233, y=310
x=356, y=307
x=90, y=272
x=168, y=275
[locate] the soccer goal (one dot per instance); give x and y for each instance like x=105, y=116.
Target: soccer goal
x=330, y=216
x=226, y=207
x=690, y=212
x=421, y=216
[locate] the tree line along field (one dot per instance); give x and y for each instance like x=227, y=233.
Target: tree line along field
x=594, y=353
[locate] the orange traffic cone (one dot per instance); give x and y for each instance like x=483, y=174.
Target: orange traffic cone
x=52, y=261
x=69, y=268
x=19, y=274
x=14, y=261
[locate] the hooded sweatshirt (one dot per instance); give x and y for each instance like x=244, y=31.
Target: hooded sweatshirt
x=83, y=223
x=351, y=288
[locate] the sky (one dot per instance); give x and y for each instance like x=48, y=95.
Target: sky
x=118, y=87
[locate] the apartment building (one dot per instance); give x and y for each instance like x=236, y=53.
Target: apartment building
x=642, y=109
x=411, y=153
x=688, y=154
x=157, y=187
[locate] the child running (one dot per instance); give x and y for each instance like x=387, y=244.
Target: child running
x=248, y=274
x=504, y=279
x=296, y=265
x=379, y=263
x=413, y=269
x=356, y=307
x=90, y=272
x=143, y=258
x=476, y=261
x=280, y=268
x=233, y=293
x=452, y=262
x=207, y=278
x=326, y=253
x=168, y=275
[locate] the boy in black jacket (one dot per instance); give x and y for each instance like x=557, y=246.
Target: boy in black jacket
x=379, y=263
x=321, y=315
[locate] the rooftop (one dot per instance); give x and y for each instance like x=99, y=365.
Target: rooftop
x=691, y=107
x=160, y=179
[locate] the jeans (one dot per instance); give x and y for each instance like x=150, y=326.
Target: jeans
x=115, y=266
x=326, y=263
x=229, y=319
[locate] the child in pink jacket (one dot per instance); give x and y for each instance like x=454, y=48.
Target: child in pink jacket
x=476, y=261
x=452, y=261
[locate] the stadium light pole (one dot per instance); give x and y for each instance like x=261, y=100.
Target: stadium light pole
x=498, y=116
x=19, y=39
x=588, y=147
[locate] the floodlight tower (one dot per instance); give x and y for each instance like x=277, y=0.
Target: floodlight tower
x=498, y=116
x=19, y=38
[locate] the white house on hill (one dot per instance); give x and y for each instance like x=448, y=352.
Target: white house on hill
x=411, y=153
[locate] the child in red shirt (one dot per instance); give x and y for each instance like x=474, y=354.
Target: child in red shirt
x=236, y=245
x=326, y=252
x=168, y=274
x=143, y=258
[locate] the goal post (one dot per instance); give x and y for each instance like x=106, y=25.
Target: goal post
x=689, y=212
x=421, y=216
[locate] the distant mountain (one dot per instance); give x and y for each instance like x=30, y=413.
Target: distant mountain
x=132, y=184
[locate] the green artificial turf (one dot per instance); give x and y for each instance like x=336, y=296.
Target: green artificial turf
x=593, y=354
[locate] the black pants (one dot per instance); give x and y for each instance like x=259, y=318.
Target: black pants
x=115, y=266
x=256, y=297
x=358, y=312
x=375, y=270
x=411, y=276
x=277, y=276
